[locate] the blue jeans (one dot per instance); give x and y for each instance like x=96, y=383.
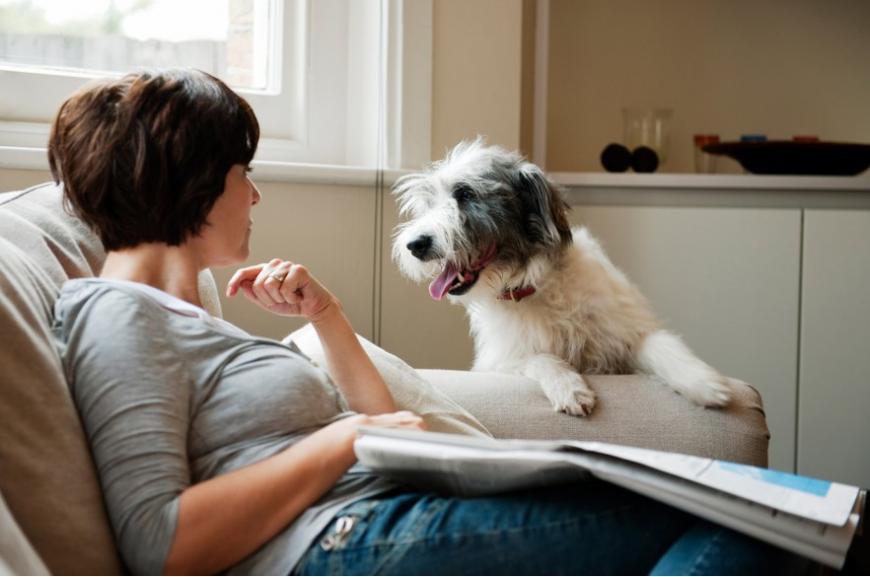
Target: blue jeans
x=587, y=528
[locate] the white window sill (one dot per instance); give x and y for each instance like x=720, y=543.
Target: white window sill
x=292, y=172
x=34, y=158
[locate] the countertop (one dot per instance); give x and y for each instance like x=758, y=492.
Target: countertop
x=722, y=190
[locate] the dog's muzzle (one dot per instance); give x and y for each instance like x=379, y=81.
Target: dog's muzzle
x=421, y=248
x=458, y=281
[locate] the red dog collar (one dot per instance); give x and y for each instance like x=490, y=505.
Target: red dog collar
x=516, y=294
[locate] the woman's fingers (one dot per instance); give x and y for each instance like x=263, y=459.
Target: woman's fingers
x=400, y=419
x=294, y=285
x=282, y=287
x=275, y=283
x=259, y=287
x=248, y=273
x=275, y=279
x=252, y=281
x=248, y=290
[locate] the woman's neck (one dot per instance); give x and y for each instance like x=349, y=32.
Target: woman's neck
x=172, y=269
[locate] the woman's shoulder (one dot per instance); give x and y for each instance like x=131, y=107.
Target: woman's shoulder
x=91, y=296
x=102, y=308
x=111, y=293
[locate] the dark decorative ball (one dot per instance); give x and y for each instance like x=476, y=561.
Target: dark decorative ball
x=615, y=158
x=644, y=159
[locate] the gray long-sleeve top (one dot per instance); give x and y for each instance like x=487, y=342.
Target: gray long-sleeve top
x=170, y=396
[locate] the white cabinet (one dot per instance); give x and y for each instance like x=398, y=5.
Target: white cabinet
x=834, y=398
x=727, y=280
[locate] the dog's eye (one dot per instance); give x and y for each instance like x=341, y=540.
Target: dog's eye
x=462, y=194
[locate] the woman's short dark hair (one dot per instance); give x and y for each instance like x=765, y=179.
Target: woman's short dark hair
x=143, y=158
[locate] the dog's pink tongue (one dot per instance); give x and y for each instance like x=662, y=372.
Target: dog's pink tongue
x=439, y=287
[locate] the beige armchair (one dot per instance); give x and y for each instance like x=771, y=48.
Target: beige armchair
x=53, y=512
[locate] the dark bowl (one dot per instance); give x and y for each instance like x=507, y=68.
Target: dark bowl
x=791, y=157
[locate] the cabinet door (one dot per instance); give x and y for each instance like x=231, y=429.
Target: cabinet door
x=726, y=280
x=834, y=414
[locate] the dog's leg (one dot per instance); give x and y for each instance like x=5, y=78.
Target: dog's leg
x=562, y=384
x=664, y=355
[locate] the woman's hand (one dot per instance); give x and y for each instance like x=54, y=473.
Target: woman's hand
x=349, y=426
x=283, y=288
x=397, y=420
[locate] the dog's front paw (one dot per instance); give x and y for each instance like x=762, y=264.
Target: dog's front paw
x=570, y=394
x=713, y=391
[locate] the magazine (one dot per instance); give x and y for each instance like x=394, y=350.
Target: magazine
x=811, y=517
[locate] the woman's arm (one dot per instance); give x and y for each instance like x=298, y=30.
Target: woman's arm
x=289, y=289
x=350, y=366
x=223, y=520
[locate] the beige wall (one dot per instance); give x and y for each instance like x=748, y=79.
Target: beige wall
x=330, y=229
x=18, y=179
x=779, y=67
x=476, y=89
x=476, y=72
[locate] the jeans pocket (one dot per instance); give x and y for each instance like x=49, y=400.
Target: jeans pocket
x=349, y=521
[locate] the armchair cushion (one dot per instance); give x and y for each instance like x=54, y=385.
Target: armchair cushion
x=17, y=556
x=410, y=391
x=47, y=476
x=631, y=410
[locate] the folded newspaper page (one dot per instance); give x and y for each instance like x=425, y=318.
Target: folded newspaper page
x=811, y=517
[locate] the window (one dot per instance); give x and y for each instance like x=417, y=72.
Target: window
x=227, y=38
x=318, y=72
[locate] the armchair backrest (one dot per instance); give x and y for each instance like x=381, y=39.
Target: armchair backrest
x=47, y=476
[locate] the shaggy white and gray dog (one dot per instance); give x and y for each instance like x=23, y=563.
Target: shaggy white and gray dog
x=543, y=300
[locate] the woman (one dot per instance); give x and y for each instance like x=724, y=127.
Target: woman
x=219, y=451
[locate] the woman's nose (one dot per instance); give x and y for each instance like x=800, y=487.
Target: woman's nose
x=257, y=196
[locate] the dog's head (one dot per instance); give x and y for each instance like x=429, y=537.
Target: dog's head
x=481, y=213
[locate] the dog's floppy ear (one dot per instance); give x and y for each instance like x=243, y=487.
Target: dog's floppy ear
x=546, y=210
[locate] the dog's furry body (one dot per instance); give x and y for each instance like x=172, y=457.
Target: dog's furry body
x=492, y=224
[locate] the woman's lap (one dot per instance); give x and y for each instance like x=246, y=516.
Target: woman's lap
x=590, y=527
x=709, y=549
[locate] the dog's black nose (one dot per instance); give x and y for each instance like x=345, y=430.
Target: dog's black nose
x=420, y=246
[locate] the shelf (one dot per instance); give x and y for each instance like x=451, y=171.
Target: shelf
x=860, y=183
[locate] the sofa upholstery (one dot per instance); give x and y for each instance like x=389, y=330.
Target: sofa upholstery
x=46, y=474
x=630, y=410
x=47, y=477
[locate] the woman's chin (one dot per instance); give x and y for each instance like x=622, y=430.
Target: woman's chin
x=243, y=255
x=230, y=259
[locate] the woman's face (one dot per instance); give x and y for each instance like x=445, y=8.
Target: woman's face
x=226, y=237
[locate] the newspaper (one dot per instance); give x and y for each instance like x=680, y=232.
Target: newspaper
x=811, y=517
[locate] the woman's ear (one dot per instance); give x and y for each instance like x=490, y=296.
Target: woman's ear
x=546, y=209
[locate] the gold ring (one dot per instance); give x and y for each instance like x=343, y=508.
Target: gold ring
x=278, y=276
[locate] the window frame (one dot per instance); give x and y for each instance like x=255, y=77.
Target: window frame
x=374, y=113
